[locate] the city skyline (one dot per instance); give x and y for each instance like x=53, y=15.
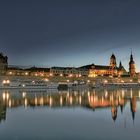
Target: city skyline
x=69, y=33
x=28, y=66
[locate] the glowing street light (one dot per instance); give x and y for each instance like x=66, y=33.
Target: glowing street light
x=80, y=75
x=46, y=80
x=70, y=75
x=26, y=73
x=10, y=73
x=105, y=81
x=6, y=82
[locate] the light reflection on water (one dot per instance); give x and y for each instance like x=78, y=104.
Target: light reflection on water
x=104, y=114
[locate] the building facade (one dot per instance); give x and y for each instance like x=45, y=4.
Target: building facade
x=92, y=70
x=33, y=71
x=108, y=70
x=69, y=71
x=113, y=66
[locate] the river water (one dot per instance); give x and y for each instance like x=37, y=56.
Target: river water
x=68, y=115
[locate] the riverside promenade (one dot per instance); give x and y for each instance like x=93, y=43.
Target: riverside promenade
x=96, y=82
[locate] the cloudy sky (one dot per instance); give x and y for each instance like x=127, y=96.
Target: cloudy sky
x=69, y=32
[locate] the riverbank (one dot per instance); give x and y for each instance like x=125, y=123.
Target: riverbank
x=23, y=82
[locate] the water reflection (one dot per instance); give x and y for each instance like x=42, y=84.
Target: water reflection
x=94, y=100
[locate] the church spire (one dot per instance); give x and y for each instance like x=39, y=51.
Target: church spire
x=131, y=57
x=120, y=65
x=132, y=66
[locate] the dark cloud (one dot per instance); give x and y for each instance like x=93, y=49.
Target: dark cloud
x=52, y=32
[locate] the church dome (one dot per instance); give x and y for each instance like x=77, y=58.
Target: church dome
x=113, y=56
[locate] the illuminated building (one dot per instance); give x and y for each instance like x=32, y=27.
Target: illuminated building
x=69, y=71
x=108, y=70
x=121, y=70
x=33, y=71
x=92, y=70
x=113, y=65
x=132, y=70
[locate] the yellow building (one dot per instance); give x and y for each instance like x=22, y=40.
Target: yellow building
x=69, y=71
x=108, y=70
x=33, y=71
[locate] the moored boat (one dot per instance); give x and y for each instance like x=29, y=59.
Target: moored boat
x=6, y=84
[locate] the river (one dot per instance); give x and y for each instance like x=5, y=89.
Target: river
x=68, y=115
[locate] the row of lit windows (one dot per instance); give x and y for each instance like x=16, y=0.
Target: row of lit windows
x=68, y=72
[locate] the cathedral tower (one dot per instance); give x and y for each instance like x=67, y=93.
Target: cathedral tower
x=132, y=70
x=113, y=64
x=113, y=61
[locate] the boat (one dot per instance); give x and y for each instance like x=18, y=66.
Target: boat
x=6, y=84
x=116, y=85
x=72, y=86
